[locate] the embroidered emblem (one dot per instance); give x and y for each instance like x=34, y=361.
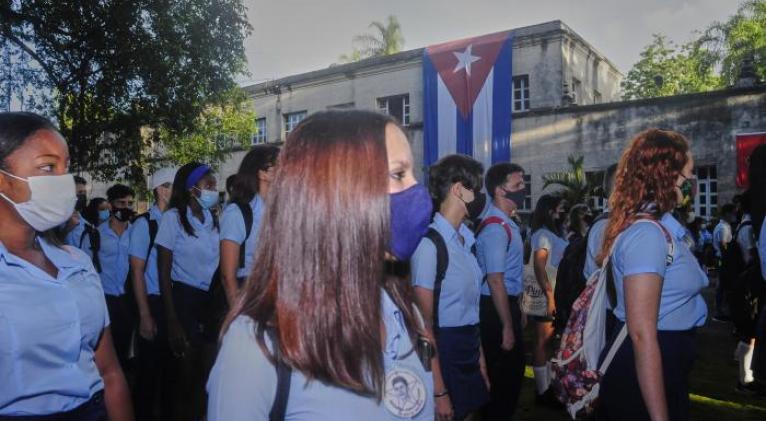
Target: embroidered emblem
x=405, y=393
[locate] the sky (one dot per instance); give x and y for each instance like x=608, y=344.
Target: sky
x=296, y=36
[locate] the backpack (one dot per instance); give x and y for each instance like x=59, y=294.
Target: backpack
x=284, y=374
x=733, y=258
x=570, y=280
x=247, y=216
x=153, y=228
x=94, y=237
x=576, y=372
x=442, y=258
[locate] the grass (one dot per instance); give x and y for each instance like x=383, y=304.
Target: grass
x=713, y=380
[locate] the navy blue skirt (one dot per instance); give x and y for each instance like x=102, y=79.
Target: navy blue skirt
x=620, y=395
x=93, y=410
x=459, y=353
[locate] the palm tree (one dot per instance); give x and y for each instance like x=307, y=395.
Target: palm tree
x=386, y=40
x=577, y=185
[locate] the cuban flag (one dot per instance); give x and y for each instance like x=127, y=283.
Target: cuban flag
x=467, y=87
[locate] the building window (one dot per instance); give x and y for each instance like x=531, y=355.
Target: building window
x=706, y=202
x=521, y=93
x=597, y=97
x=596, y=178
x=527, y=193
x=292, y=120
x=577, y=90
x=260, y=131
x=396, y=106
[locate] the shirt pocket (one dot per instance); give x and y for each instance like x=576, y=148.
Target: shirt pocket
x=50, y=333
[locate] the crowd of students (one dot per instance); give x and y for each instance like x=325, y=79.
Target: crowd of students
x=333, y=285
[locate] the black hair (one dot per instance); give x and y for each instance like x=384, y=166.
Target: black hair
x=542, y=217
x=245, y=185
x=118, y=191
x=745, y=202
x=580, y=218
x=450, y=170
x=727, y=209
x=16, y=128
x=79, y=180
x=90, y=213
x=757, y=180
x=180, y=197
x=498, y=174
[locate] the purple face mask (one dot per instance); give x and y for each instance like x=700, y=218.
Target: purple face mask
x=410, y=214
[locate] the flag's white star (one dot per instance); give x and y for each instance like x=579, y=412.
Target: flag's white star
x=464, y=60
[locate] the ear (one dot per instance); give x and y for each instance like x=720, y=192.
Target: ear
x=456, y=189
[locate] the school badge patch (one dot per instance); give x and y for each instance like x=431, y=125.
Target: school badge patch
x=405, y=393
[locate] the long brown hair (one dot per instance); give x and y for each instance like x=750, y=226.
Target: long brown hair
x=319, y=264
x=645, y=181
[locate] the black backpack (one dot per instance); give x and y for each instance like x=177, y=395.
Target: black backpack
x=247, y=215
x=569, y=279
x=94, y=237
x=733, y=259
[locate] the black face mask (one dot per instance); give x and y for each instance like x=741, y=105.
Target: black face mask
x=516, y=197
x=123, y=215
x=477, y=206
x=82, y=200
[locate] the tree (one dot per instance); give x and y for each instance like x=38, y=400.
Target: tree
x=386, y=40
x=667, y=69
x=714, y=60
x=115, y=68
x=577, y=185
x=739, y=40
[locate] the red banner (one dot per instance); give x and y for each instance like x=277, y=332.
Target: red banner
x=745, y=144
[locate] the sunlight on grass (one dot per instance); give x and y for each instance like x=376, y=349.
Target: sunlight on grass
x=704, y=400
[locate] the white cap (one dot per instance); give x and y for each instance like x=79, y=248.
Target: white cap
x=162, y=176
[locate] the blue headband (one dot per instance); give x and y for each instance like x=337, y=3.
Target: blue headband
x=196, y=175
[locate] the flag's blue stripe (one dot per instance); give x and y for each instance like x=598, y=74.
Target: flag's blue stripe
x=430, y=111
x=501, y=104
x=464, y=131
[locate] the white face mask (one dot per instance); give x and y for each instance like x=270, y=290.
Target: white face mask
x=51, y=200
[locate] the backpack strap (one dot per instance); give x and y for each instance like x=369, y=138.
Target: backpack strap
x=442, y=261
x=94, y=237
x=247, y=216
x=496, y=220
x=284, y=374
x=153, y=228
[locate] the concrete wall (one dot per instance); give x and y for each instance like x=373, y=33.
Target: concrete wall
x=542, y=140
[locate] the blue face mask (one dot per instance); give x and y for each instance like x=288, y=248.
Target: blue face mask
x=410, y=214
x=103, y=215
x=207, y=198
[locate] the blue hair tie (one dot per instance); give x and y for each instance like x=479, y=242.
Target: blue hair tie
x=196, y=175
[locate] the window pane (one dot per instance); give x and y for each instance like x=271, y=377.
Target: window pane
x=713, y=186
x=703, y=187
x=702, y=173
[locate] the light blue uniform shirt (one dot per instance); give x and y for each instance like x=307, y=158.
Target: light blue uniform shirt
x=642, y=248
x=461, y=287
x=113, y=256
x=139, y=245
x=543, y=238
x=233, y=229
x=49, y=329
x=195, y=258
x=73, y=237
x=762, y=248
x=595, y=241
x=243, y=382
x=495, y=256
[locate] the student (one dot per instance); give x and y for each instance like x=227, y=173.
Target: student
x=151, y=342
x=187, y=258
x=455, y=183
x=657, y=289
x=238, y=241
x=500, y=252
x=580, y=218
x=548, y=249
x=596, y=234
x=75, y=225
x=722, y=236
x=109, y=250
x=57, y=360
x=96, y=213
x=345, y=336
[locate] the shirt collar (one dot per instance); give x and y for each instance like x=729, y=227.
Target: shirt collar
x=495, y=211
x=61, y=257
x=394, y=323
x=746, y=218
x=155, y=213
x=449, y=233
x=676, y=228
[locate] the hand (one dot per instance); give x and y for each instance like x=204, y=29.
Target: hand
x=483, y=370
x=508, y=339
x=177, y=338
x=551, y=305
x=147, y=328
x=444, y=411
